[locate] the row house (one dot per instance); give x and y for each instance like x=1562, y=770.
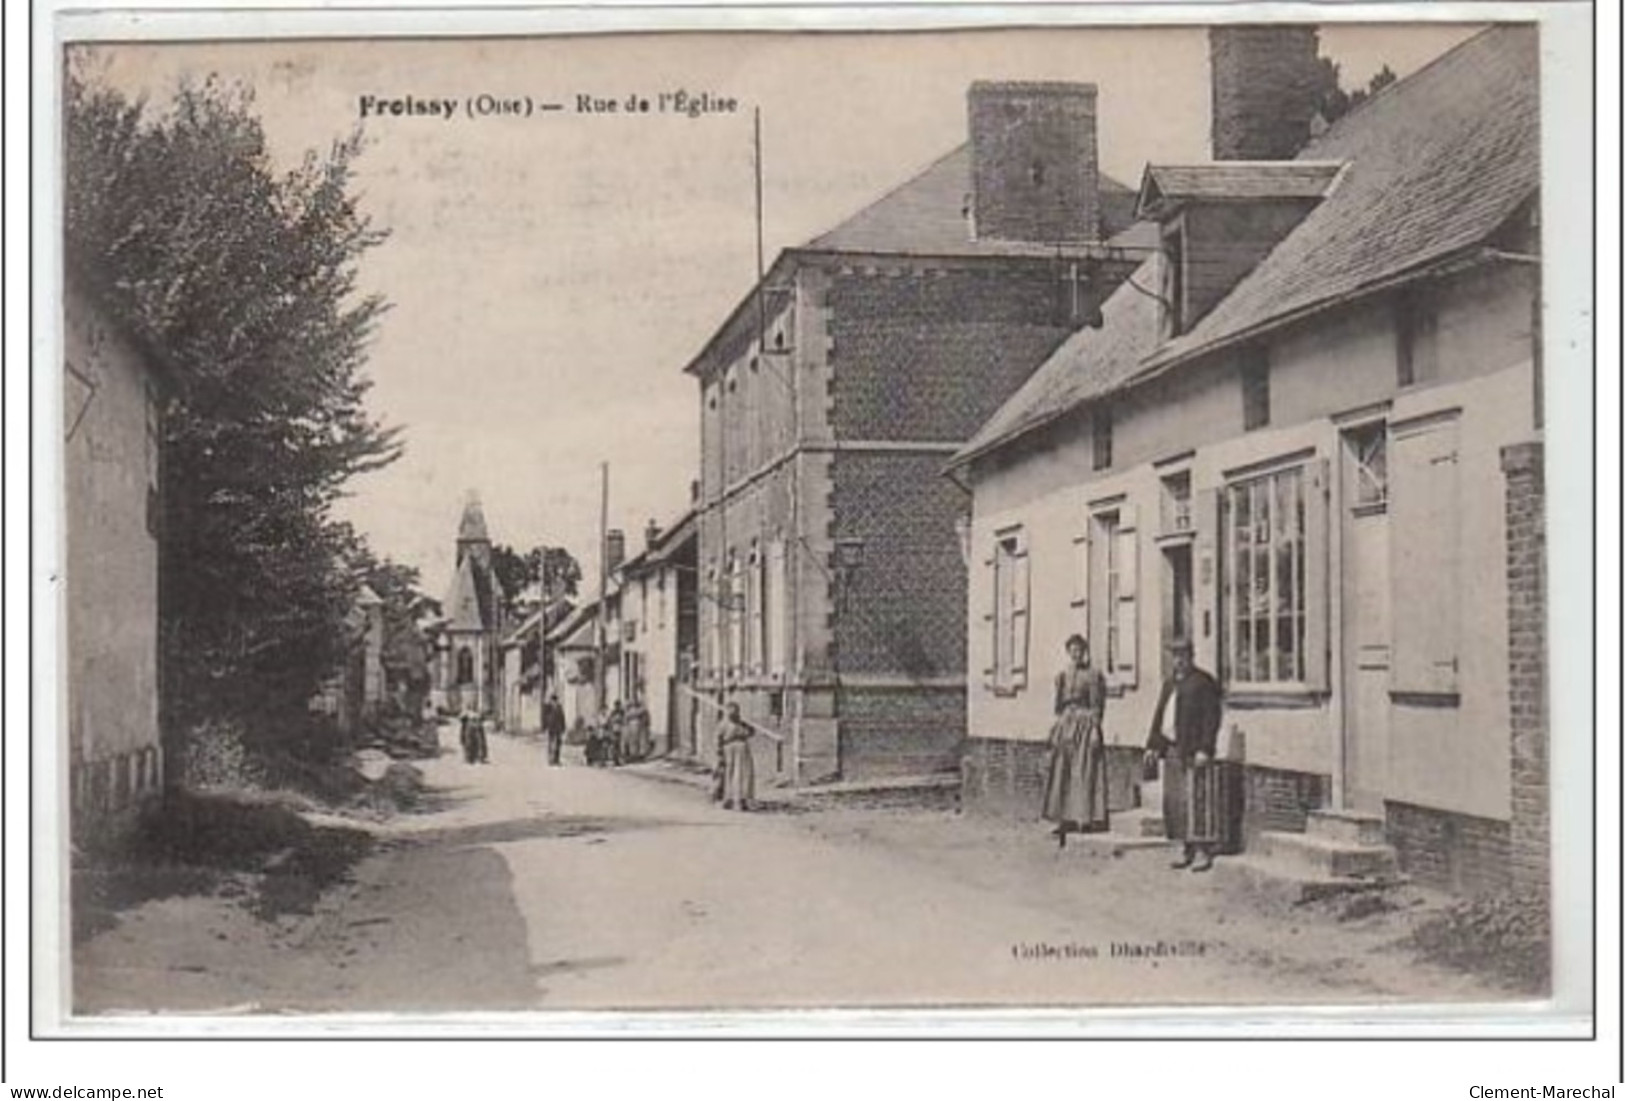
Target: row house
x=830, y=574
x=113, y=400
x=660, y=633
x=527, y=666
x=1308, y=438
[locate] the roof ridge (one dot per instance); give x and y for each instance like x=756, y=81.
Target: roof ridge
x=1388, y=90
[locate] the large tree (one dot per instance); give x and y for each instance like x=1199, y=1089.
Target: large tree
x=246, y=277
x=515, y=572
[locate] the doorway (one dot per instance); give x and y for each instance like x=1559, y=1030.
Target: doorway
x=1178, y=598
x=1366, y=637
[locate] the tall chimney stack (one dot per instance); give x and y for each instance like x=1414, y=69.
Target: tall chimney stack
x=1035, y=167
x=614, y=549
x=1263, y=84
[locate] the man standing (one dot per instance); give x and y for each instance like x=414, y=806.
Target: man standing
x=553, y=725
x=1185, y=734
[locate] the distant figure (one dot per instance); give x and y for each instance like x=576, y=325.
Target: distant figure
x=482, y=740
x=737, y=766
x=1075, y=790
x=553, y=725
x=638, y=742
x=615, y=730
x=470, y=735
x=1185, y=732
x=595, y=746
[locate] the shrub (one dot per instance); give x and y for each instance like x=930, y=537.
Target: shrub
x=1507, y=937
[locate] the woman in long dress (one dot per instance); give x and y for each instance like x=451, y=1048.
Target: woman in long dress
x=738, y=767
x=1075, y=790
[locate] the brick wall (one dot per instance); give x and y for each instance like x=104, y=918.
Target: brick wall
x=888, y=731
x=930, y=356
x=1453, y=852
x=1277, y=799
x=1529, y=840
x=1005, y=777
x=1035, y=170
x=903, y=609
x=1262, y=90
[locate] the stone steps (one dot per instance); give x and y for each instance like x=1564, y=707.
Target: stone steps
x=1348, y=826
x=1325, y=856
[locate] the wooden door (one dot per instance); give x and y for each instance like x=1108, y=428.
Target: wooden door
x=1367, y=637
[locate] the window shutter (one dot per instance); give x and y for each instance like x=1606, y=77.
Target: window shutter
x=1424, y=530
x=1080, y=577
x=758, y=612
x=986, y=594
x=1316, y=573
x=778, y=640
x=1205, y=610
x=1128, y=605
x=1018, y=616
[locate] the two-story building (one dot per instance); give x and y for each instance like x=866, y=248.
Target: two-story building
x=1307, y=437
x=830, y=586
x=660, y=633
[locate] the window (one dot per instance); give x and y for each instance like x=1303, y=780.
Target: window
x=1415, y=337
x=755, y=636
x=736, y=613
x=1008, y=577
x=1173, y=282
x=660, y=601
x=465, y=665
x=1255, y=390
x=1101, y=436
x=1176, y=503
x=717, y=585
x=1116, y=547
x=1273, y=578
x=1368, y=449
x=776, y=629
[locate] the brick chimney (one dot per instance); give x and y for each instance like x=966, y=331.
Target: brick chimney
x=614, y=549
x=651, y=534
x=1035, y=169
x=1263, y=90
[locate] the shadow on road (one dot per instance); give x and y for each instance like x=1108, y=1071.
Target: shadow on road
x=538, y=828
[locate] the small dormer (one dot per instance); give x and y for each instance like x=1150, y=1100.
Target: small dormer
x=1217, y=221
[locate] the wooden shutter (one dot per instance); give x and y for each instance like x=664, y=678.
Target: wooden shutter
x=1425, y=533
x=778, y=640
x=1316, y=575
x=758, y=610
x=985, y=593
x=1206, y=614
x=1080, y=576
x=1018, y=615
x=1128, y=606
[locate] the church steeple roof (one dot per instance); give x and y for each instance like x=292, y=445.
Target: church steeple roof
x=472, y=527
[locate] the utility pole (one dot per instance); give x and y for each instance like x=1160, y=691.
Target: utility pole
x=603, y=589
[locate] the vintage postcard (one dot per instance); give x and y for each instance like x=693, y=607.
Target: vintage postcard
x=1047, y=519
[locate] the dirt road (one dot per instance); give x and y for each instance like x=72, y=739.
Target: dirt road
x=529, y=887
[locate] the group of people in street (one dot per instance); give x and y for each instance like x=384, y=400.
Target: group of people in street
x=1182, y=746
x=622, y=738
x=473, y=737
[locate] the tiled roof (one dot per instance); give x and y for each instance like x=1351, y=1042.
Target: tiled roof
x=1436, y=163
x=1091, y=362
x=1168, y=185
x=926, y=216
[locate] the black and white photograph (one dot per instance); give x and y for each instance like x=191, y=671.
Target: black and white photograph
x=1037, y=518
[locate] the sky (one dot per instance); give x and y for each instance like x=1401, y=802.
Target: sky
x=551, y=275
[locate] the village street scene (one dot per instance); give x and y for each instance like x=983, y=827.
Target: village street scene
x=660, y=525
